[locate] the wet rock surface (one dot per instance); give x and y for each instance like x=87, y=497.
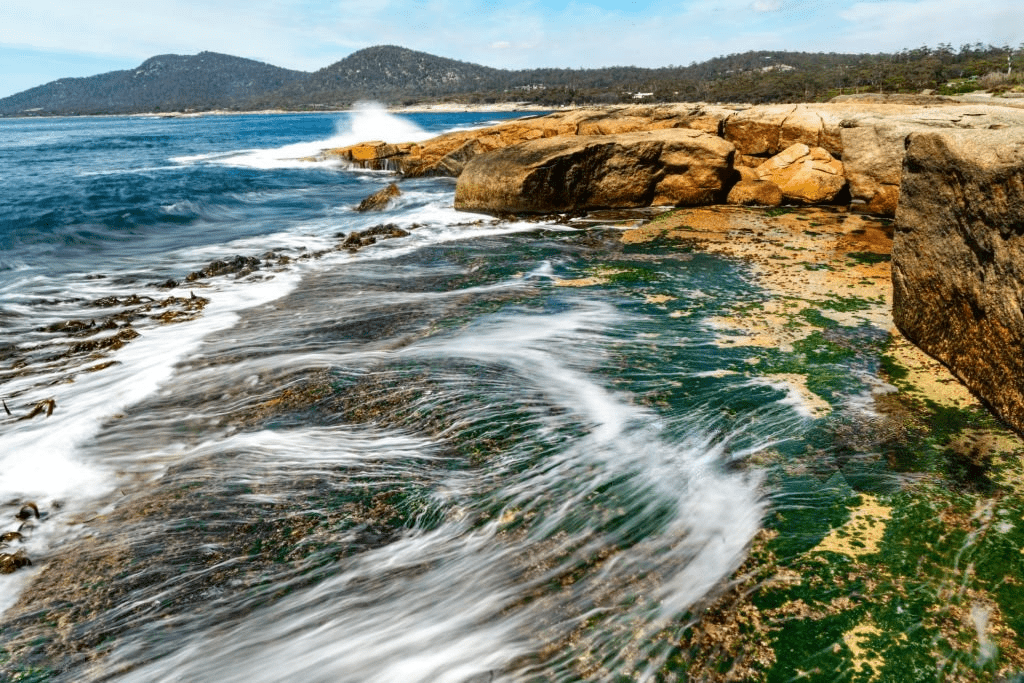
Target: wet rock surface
x=856, y=556
x=379, y=200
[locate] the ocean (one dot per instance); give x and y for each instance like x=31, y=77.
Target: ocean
x=484, y=450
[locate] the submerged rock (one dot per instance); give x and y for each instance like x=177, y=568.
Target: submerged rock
x=958, y=260
x=358, y=239
x=664, y=167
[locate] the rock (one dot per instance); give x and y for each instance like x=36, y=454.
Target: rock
x=805, y=174
x=447, y=155
x=378, y=201
x=767, y=130
x=675, y=166
x=357, y=239
x=874, y=143
x=374, y=155
x=749, y=161
x=239, y=265
x=866, y=133
x=756, y=131
x=747, y=173
x=873, y=160
x=958, y=259
x=755, y=193
x=12, y=562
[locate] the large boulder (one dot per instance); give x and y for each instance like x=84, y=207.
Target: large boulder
x=676, y=166
x=873, y=159
x=865, y=134
x=808, y=175
x=958, y=259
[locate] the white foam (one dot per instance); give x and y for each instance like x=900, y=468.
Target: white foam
x=366, y=122
x=47, y=459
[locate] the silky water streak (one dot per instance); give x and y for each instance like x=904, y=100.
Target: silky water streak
x=563, y=564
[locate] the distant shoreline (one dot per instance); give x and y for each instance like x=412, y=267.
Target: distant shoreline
x=438, y=108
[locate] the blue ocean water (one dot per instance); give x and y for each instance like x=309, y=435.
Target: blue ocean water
x=92, y=194
x=509, y=432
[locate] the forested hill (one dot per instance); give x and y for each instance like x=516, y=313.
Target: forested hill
x=388, y=72
x=207, y=80
x=397, y=75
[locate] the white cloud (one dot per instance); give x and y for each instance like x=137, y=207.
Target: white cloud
x=930, y=22
x=767, y=5
x=501, y=45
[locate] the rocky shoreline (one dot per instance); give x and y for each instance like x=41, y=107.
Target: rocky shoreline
x=847, y=153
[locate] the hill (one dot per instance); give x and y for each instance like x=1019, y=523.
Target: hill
x=387, y=72
x=207, y=80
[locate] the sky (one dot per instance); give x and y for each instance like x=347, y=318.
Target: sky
x=43, y=40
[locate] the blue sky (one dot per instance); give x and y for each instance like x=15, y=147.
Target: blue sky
x=42, y=40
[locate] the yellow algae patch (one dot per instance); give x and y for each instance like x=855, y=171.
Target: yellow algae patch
x=600, y=277
x=876, y=316
x=771, y=325
x=658, y=298
x=857, y=639
x=802, y=398
x=806, y=258
x=927, y=378
x=810, y=253
x=582, y=282
x=862, y=534
x=717, y=373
